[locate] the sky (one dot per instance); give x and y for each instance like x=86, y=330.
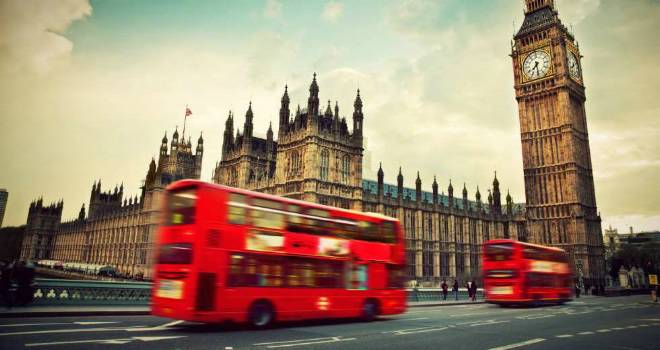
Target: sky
x=88, y=88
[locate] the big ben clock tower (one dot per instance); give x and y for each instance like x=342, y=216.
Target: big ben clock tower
x=559, y=186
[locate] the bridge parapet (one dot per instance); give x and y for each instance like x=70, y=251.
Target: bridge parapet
x=84, y=292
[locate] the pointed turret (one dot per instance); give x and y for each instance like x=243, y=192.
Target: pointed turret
x=435, y=190
x=248, y=126
x=381, y=175
x=81, y=213
x=358, y=117
x=328, y=110
x=163, y=146
x=497, y=201
x=418, y=188
x=509, y=203
x=399, y=185
x=200, y=145
x=284, y=111
x=313, y=101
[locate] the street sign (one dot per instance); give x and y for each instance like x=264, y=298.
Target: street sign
x=653, y=279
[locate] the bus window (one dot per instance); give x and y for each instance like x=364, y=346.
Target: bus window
x=389, y=233
x=181, y=206
x=175, y=253
x=396, y=276
x=368, y=231
x=499, y=252
x=237, y=213
x=270, y=217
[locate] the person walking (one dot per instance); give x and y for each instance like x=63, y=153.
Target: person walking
x=455, y=289
x=577, y=290
x=474, y=290
x=444, y=287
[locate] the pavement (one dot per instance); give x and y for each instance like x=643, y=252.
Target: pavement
x=631, y=322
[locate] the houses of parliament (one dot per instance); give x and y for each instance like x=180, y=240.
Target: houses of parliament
x=317, y=157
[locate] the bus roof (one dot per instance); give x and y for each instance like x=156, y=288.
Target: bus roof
x=189, y=182
x=498, y=241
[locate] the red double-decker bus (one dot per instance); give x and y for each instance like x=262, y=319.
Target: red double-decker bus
x=229, y=254
x=523, y=273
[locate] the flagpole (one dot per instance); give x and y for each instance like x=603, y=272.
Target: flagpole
x=185, y=116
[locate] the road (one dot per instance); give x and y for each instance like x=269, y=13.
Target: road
x=587, y=323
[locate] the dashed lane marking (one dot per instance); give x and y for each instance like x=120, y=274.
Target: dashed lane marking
x=302, y=342
x=488, y=323
x=585, y=333
x=105, y=341
x=56, y=324
x=517, y=345
x=564, y=336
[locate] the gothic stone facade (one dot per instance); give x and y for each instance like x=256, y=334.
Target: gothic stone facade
x=316, y=158
x=559, y=186
x=116, y=231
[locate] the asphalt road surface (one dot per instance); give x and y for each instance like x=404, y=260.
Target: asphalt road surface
x=586, y=323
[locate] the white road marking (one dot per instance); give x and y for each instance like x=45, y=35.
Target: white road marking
x=617, y=328
x=643, y=325
x=301, y=342
x=487, y=323
x=402, y=330
x=106, y=341
x=585, y=333
x=631, y=327
x=517, y=345
x=54, y=324
x=564, y=336
x=603, y=330
x=156, y=328
x=63, y=331
x=421, y=331
x=472, y=314
x=537, y=317
x=650, y=319
x=412, y=319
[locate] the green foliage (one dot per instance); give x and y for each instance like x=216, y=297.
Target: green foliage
x=646, y=256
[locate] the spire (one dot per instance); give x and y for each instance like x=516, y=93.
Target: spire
x=247, y=128
x=284, y=110
x=435, y=190
x=164, y=141
x=478, y=195
x=465, y=193
x=313, y=101
x=336, y=109
x=399, y=178
x=358, y=117
x=175, y=136
x=450, y=189
x=328, y=110
x=380, y=172
x=418, y=184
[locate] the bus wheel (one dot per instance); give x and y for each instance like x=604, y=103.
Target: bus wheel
x=369, y=310
x=261, y=314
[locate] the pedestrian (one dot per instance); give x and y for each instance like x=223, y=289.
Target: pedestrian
x=654, y=293
x=474, y=290
x=577, y=290
x=455, y=289
x=444, y=287
x=5, y=284
x=24, y=279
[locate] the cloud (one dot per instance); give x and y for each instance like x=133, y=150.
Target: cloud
x=575, y=11
x=332, y=11
x=273, y=9
x=33, y=31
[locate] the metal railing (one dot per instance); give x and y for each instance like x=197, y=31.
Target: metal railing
x=81, y=292
x=63, y=292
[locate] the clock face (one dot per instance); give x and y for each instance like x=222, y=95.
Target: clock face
x=573, y=66
x=536, y=64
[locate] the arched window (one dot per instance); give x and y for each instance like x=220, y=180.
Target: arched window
x=345, y=169
x=294, y=163
x=325, y=162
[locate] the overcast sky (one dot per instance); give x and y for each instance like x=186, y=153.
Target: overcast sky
x=87, y=89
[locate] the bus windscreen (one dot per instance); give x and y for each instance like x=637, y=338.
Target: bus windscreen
x=181, y=207
x=499, y=252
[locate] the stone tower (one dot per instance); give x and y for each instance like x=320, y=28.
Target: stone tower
x=315, y=158
x=559, y=186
